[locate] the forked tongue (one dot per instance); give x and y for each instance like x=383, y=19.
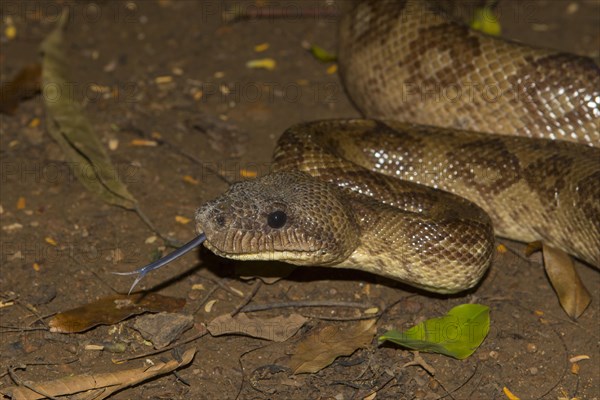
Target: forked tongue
x=192, y=244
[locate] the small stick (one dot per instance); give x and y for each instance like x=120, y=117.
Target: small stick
x=225, y=287
x=19, y=382
x=235, y=14
x=205, y=298
x=151, y=353
x=307, y=303
x=359, y=318
x=248, y=298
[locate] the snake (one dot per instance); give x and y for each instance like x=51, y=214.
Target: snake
x=465, y=137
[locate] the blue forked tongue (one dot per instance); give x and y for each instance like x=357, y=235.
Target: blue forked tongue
x=192, y=244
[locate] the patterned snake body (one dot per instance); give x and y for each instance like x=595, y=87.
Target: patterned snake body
x=334, y=197
x=401, y=61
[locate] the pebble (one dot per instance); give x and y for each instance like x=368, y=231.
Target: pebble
x=163, y=328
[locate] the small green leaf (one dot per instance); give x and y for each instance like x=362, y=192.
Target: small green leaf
x=485, y=21
x=457, y=334
x=321, y=54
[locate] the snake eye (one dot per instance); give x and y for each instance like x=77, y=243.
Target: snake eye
x=276, y=219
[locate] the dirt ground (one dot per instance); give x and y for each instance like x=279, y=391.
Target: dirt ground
x=174, y=69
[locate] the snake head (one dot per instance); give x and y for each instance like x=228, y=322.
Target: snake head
x=285, y=216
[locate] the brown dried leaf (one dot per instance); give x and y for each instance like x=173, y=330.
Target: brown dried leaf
x=23, y=86
x=278, y=329
x=572, y=294
x=111, y=382
x=533, y=247
x=112, y=309
x=321, y=348
x=72, y=130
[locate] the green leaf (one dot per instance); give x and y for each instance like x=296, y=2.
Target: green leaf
x=457, y=334
x=485, y=21
x=68, y=125
x=321, y=54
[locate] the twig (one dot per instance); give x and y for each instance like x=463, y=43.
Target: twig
x=419, y=361
x=225, y=287
x=205, y=298
x=307, y=303
x=235, y=14
x=449, y=393
x=32, y=310
x=242, y=368
x=566, y=349
x=168, y=241
x=248, y=298
x=359, y=318
x=380, y=386
x=195, y=160
x=151, y=353
x=175, y=149
x=519, y=255
x=19, y=382
x=180, y=379
x=9, y=329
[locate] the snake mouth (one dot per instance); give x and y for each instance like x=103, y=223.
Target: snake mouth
x=299, y=257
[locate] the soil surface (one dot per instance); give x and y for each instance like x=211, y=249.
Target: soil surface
x=174, y=72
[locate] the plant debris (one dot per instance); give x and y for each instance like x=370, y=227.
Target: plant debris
x=321, y=347
x=112, y=309
x=104, y=384
x=278, y=329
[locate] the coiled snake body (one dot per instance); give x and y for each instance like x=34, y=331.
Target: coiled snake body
x=335, y=197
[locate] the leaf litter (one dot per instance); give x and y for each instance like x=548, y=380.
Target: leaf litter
x=322, y=346
x=111, y=310
x=72, y=130
x=103, y=385
x=278, y=329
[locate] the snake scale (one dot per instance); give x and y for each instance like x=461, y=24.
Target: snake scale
x=420, y=200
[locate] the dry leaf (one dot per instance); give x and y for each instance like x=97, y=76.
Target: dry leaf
x=278, y=329
x=160, y=80
x=23, y=86
x=264, y=63
x=247, y=173
x=112, y=309
x=533, y=247
x=191, y=180
x=109, y=382
x=571, y=292
x=575, y=369
x=321, y=348
x=68, y=125
x=582, y=357
x=509, y=394
x=259, y=48
x=21, y=203
x=209, y=305
x=144, y=143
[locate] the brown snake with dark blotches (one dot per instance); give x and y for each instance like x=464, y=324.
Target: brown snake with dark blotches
x=349, y=193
